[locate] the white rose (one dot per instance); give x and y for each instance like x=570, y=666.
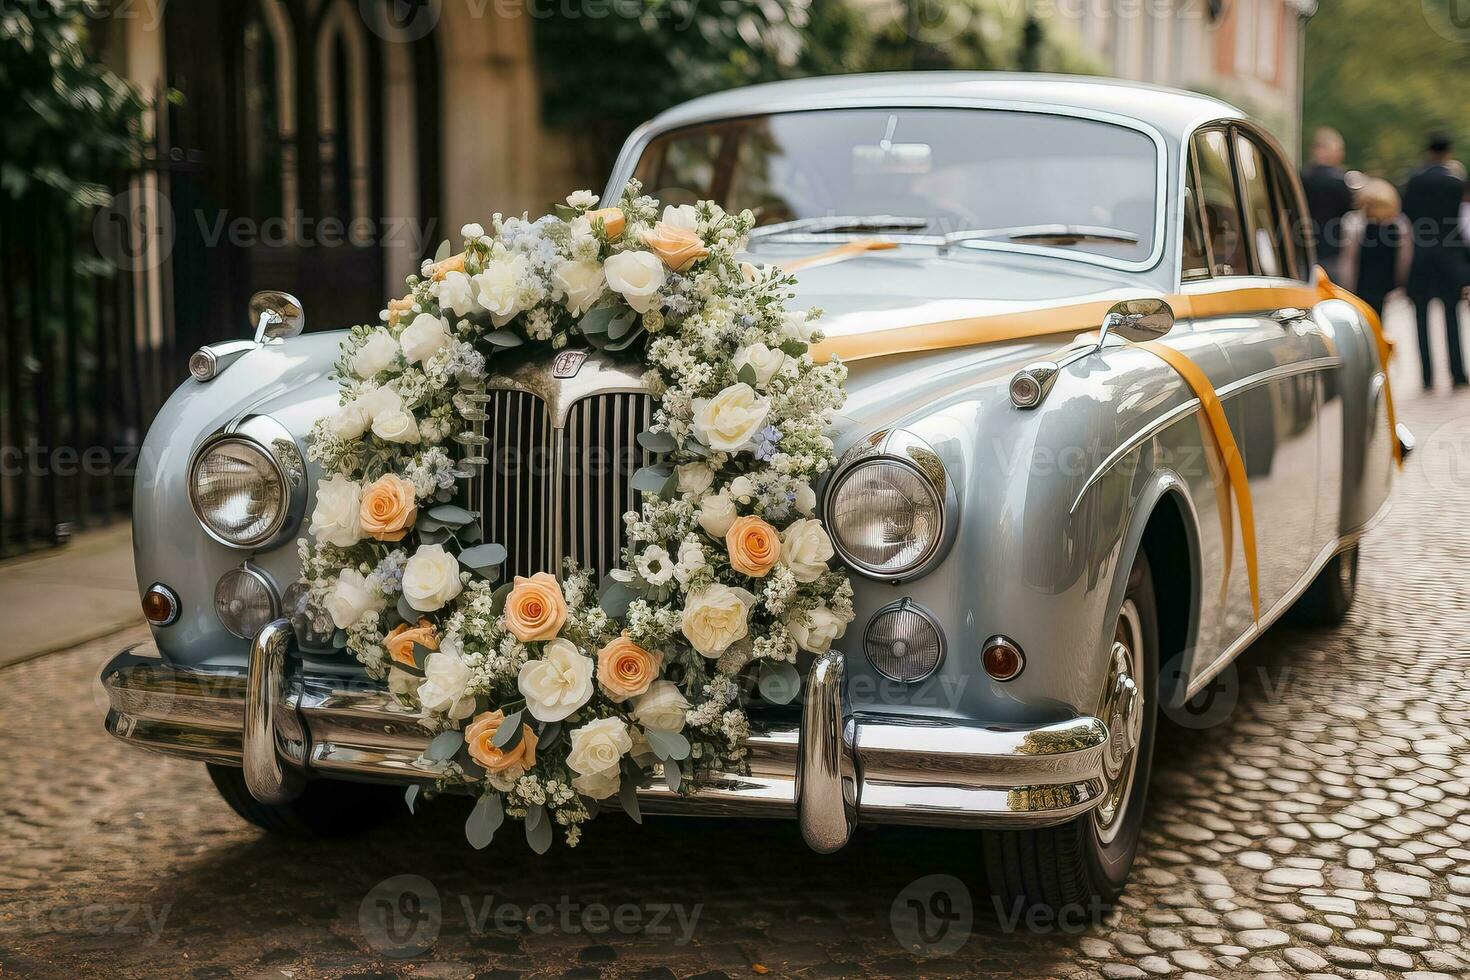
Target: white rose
x=351, y=599
x=456, y=293
x=716, y=514
x=473, y=230
x=396, y=426
x=583, y=282
x=599, y=746
x=582, y=200
x=443, y=689
x=426, y=336
x=600, y=785
x=662, y=707
x=637, y=275
x=806, y=549
x=375, y=355
x=401, y=683
x=431, y=578
x=742, y=488
x=716, y=617
x=729, y=421
x=765, y=361
x=557, y=684
x=695, y=478
x=820, y=628
x=806, y=499
x=373, y=402
x=691, y=561
x=335, y=519
x=797, y=326
x=498, y=287
x=684, y=216
x=350, y=421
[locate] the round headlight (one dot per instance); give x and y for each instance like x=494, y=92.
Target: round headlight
x=904, y=642
x=245, y=601
x=238, y=492
x=886, y=517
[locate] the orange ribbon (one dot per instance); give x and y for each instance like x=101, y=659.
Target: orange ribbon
x=1327, y=289
x=841, y=253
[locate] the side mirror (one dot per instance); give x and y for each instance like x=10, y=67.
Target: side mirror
x=1137, y=320
x=276, y=316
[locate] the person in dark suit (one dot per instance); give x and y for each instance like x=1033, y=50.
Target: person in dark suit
x=1329, y=199
x=1432, y=204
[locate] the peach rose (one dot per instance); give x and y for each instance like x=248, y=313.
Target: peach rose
x=754, y=546
x=678, y=247
x=388, y=508
x=612, y=221
x=398, y=307
x=399, y=643
x=479, y=736
x=535, y=609
x=624, y=669
x=455, y=263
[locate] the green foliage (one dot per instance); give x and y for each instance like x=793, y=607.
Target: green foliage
x=1382, y=75
x=69, y=122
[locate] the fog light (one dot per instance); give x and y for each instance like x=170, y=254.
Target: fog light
x=244, y=601
x=1002, y=659
x=160, y=605
x=904, y=642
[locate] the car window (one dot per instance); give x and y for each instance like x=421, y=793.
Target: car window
x=1195, y=259
x=1295, y=228
x=1268, y=252
x=1222, y=211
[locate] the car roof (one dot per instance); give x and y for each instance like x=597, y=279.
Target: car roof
x=1171, y=111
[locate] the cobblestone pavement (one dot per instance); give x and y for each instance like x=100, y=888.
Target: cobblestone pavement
x=1320, y=828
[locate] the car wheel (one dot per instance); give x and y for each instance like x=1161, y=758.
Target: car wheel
x=326, y=808
x=1328, y=599
x=1080, y=868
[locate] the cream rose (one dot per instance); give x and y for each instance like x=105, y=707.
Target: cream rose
x=557, y=684
x=350, y=421
x=456, y=293
x=663, y=708
x=694, y=478
x=426, y=336
x=375, y=355
x=638, y=276
x=334, y=521
x=431, y=578
x=583, y=283
x=729, y=421
x=753, y=545
x=445, y=679
x=351, y=599
x=624, y=669
x=678, y=247
x=716, y=514
x=691, y=561
x=599, y=746
x=498, y=286
x=766, y=362
x=716, y=617
x=797, y=325
x=401, y=684
x=817, y=630
x=535, y=609
x=396, y=426
x=806, y=549
x=682, y=216
x=479, y=738
x=600, y=785
x=806, y=499
x=388, y=508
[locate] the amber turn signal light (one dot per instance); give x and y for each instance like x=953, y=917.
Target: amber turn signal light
x=160, y=605
x=1002, y=659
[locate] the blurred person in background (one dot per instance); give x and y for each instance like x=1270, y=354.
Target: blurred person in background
x=1432, y=202
x=1329, y=199
x=1378, y=247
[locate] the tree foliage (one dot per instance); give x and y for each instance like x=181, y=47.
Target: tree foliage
x=1384, y=75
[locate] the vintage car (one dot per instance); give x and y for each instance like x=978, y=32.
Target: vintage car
x=1049, y=551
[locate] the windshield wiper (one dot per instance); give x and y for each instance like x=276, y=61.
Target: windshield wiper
x=1059, y=234
x=839, y=223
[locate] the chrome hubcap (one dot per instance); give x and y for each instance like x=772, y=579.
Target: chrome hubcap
x=1122, y=710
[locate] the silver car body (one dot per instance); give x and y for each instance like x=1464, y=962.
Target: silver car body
x=1050, y=505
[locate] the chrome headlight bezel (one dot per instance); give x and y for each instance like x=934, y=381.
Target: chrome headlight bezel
x=898, y=447
x=275, y=443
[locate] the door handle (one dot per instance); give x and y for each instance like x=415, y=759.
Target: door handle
x=1291, y=314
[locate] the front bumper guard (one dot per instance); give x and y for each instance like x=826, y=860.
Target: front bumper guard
x=833, y=771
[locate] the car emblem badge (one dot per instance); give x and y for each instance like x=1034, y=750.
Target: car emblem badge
x=568, y=363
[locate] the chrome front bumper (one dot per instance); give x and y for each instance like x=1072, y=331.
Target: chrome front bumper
x=831, y=772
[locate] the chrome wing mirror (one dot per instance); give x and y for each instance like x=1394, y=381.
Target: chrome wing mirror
x=276, y=315
x=1133, y=319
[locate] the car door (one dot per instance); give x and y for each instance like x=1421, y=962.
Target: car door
x=1256, y=304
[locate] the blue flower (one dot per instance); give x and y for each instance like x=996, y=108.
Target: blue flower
x=766, y=441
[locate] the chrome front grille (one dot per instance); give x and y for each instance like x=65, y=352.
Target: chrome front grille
x=554, y=491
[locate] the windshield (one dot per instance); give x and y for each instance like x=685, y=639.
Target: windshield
x=974, y=174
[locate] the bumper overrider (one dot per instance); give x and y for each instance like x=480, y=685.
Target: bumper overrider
x=834, y=770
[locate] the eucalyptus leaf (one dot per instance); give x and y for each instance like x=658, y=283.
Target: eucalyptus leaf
x=508, y=735
x=597, y=321
x=484, y=820
x=420, y=654
x=497, y=599
x=444, y=745
x=628, y=797
x=411, y=796
x=538, y=831
x=426, y=524
x=651, y=479
x=339, y=639
x=794, y=348
x=443, y=251
x=505, y=338
x=626, y=342
x=619, y=327
x=483, y=556
x=616, y=598
x=779, y=682
x=673, y=776
x=550, y=732
x=409, y=613
x=438, y=536
x=444, y=496
x=598, y=340
x=451, y=515
x=657, y=442
x=470, y=534
x=747, y=375
x=667, y=745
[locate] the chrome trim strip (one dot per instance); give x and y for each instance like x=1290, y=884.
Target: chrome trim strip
x=1277, y=373
x=826, y=778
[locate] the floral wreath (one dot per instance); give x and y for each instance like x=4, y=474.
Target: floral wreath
x=549, y=696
